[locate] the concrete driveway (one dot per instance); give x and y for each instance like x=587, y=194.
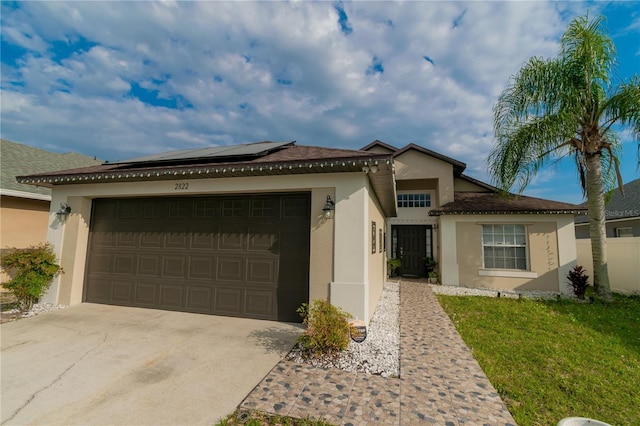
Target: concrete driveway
x=99, y=364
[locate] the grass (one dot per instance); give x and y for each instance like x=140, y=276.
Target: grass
x=256, y=418
x=554, y=359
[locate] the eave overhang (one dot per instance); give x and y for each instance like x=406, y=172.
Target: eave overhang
x=382, y=182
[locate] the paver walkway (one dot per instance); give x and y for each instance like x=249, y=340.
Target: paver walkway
x=440, y=382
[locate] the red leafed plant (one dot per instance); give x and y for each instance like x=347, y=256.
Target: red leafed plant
x=577, y=279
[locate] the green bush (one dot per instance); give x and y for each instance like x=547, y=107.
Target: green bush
x=327, y=328
x=32, y=270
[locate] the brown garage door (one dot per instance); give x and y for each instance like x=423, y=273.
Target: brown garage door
x=245, y=256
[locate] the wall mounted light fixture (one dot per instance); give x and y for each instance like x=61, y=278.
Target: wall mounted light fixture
x=64, y=211
x=329, y=208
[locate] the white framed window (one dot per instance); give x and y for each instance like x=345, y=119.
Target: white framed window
x=414, y=200
x=505, y=246
x=626, y=231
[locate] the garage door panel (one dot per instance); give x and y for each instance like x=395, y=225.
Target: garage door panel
x=199, y=298
x=127, y=239
x=245, y=255
x=262, y=239
x=228, y=300
x=100, y=290
x=229, y=269
x=201, y=268
x=174, y=266
x=262, y=271
x=146, y=294
x=122, y=291
x=149, y=265
x=124, y=263
x=171, y=296
x=176, y=240
x=259, y=304
x=100, y=263
x=151, y=240
x=231, y=239
x=204, y=240
x=103, y=239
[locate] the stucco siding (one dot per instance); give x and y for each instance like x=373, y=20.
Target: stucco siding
x=23, y=223
x=416, y=165
x=377, y=260
x=551, y=252
x=542, y=253
x=333, y=267
x=461, y=185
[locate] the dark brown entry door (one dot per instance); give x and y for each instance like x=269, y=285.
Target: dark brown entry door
x=412, y=248
x=245, y=256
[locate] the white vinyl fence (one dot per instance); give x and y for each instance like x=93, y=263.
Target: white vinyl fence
x=623, y=258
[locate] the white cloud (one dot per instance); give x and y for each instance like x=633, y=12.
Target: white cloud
x=247, y=71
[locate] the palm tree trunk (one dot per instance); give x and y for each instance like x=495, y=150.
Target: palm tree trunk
x=597, y=230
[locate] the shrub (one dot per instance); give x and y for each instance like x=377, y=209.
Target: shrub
x=327, y=328
x=577, y=280
x=393, y=265
x=32, y=270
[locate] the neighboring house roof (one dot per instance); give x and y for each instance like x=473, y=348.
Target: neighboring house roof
x=458, y=166
x=18, y=159
x=497, y=203
x=277, y=158
x=620, y=206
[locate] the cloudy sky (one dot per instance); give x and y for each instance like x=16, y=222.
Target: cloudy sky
x=119, y=80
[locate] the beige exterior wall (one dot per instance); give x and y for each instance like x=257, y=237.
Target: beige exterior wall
x=461, y=185
x=623, y=258
x=413, y=164
x=338, y=271
x=23, y=223
x=378, y=260
x=551, y=252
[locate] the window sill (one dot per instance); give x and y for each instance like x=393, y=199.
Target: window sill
x=506, y=273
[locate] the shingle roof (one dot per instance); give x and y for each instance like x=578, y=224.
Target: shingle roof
x=620, y=206
x=458, y=166
x=18, y=159
x=496, y=203
x=288, y=160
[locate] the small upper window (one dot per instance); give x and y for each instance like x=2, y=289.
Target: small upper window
x=414, y=200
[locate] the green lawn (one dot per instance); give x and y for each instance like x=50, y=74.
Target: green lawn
x=256, y=418
x=555, y=359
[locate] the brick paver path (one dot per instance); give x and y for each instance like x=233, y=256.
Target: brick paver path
x=440, y=382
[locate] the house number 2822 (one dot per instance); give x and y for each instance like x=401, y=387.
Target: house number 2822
x=181, y=186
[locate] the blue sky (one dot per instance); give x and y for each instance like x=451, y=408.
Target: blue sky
x=121, y=80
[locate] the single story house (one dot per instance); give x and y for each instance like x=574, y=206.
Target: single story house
x=255, y=230
x=621, y=212
x=24, y=209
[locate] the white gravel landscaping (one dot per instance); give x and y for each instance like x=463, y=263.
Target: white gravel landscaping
x=380, y=352
x=487, y=292
x=36, y=309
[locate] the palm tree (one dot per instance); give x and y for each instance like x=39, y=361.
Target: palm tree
x=567, y=107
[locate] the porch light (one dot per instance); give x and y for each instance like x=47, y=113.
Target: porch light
x=329, y=208
x=64, y=211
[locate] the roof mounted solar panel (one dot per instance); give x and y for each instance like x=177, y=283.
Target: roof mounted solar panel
x=257, y=149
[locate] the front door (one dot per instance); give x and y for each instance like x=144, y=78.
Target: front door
x=412, y=250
